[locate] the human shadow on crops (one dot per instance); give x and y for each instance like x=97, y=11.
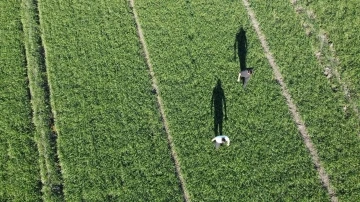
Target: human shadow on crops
x=240, y=47
x=218, y=108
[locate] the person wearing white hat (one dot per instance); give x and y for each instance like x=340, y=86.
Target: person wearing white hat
x=221, y=139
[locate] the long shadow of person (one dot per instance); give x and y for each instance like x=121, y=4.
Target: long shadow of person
x=218, y=107
x=240, y=46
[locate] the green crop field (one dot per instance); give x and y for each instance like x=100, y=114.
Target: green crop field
x=335, y=132
x=80, y=114
x=338, y=20
x=199, y=44
x=19, y=169
x=111, y=144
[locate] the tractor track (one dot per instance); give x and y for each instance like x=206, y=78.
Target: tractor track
x=42, y=110
x=292, y=107
x=325, y=52
x=159, y=101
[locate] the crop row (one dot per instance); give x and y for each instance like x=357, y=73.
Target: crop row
x=19, y=169
x=337, y=19
x=337, y=60
x=333, y=129
x=45, y=134
x=110, y=137
x=191, y=45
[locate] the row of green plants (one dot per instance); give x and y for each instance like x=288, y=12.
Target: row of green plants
x=45, y=135
x=337, y=20
x=340, y=72
x=111, y=143
x=19, y=168
x=191, y=45
x=333, y=130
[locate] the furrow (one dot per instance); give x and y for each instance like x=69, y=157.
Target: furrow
x=292, y=107
x=324, y=51
x=159, y=101
x=46, y=136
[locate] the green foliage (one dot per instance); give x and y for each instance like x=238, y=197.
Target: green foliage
x=111, y=142
x=46, y=143
x=19, y=171
x=191, y=44
x=334, y=132
x=338, y=18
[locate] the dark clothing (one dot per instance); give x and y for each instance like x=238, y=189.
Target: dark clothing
x=244, y=81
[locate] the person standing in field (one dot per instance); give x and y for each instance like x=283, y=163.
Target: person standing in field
x=245, y=75
x=219, y=140
x=218, y=107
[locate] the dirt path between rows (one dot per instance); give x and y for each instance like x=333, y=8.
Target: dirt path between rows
x=159, y=102
x=292, y=107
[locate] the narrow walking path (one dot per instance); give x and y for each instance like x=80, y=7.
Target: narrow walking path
x=292, y=107
x=159, y=101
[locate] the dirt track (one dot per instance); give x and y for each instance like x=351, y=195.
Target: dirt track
x=292, y=107
x=326, y=54
x=159, y=102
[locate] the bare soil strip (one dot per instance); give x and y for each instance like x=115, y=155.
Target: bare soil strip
x=292, y=107
x=325, y=53
x=42, y=116
x=160, y=103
